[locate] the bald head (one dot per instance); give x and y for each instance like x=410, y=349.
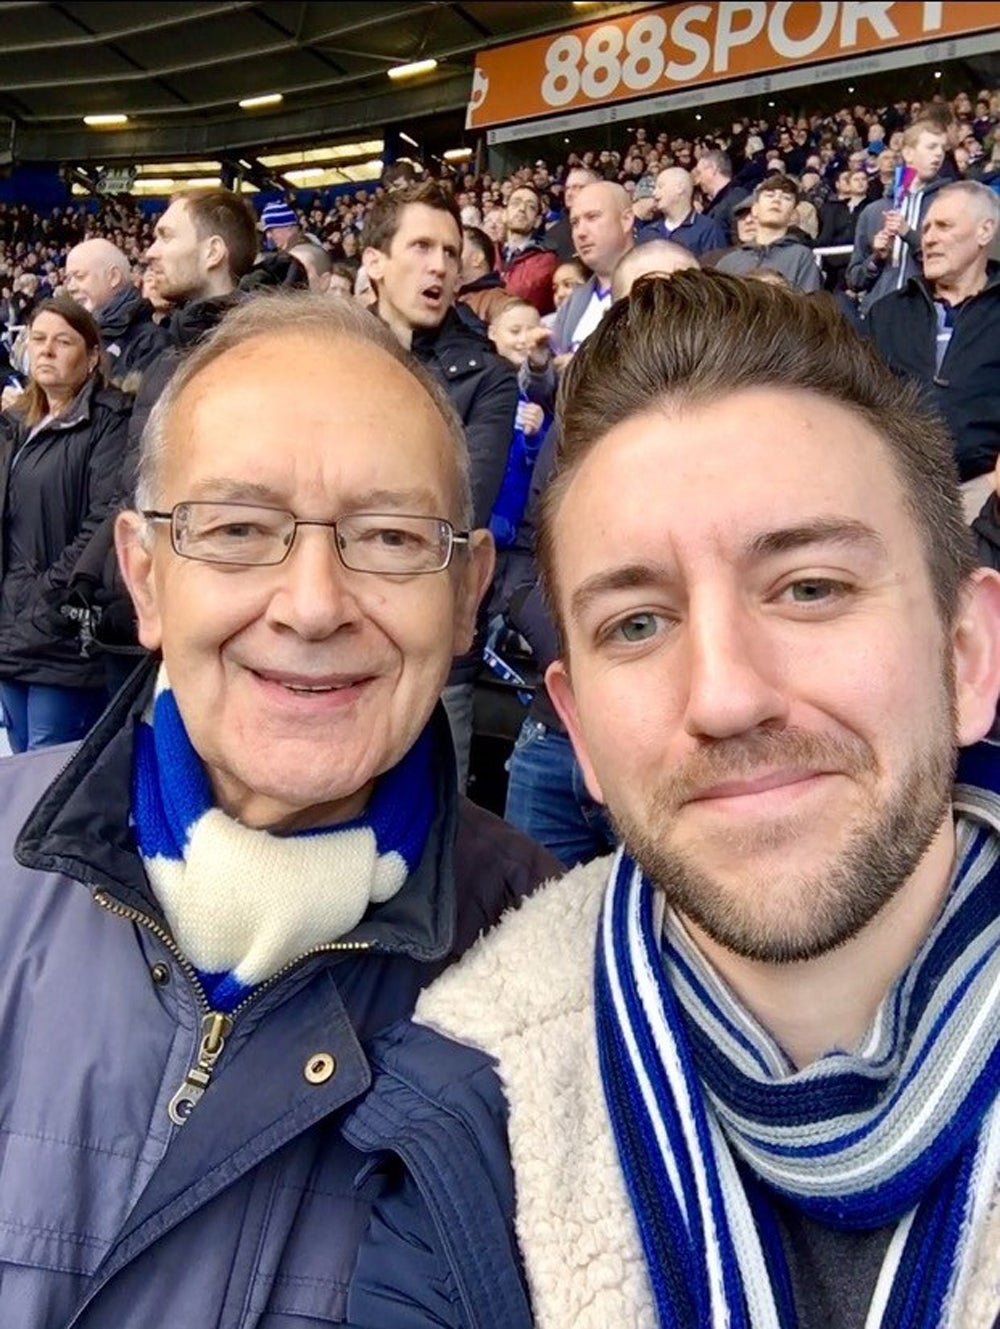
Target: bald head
x=96, y=271
x=317, y=263
x=655, y=258
x=673, y=193
x=601, y=217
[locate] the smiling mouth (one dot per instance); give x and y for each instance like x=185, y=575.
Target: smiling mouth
x=302, y=686
x=736, y=793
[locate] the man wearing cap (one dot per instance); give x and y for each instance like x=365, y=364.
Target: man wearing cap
x=281, y=225
x=773, y=210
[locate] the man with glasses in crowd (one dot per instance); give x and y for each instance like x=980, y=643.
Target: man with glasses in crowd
x=258, y=857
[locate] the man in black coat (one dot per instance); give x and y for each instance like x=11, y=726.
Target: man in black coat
x=713, y=175
x=99, y=277
x=411, y=250
x=206, y=241
x=943, y=329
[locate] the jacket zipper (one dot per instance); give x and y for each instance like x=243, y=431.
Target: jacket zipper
x=215, y=1025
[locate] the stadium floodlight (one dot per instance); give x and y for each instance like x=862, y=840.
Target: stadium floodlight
x=265, y=99
x=105, y=121
x=412, y=69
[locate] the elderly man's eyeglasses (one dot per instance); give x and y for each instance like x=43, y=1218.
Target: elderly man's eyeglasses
x=243, y=535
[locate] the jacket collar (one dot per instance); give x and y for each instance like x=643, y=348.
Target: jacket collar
x=81, y=828
x=917, y=282
x=119, y=312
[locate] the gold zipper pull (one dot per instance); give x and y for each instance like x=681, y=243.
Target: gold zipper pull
x=214, y=1029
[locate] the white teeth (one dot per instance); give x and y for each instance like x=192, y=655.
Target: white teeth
x=297, y=687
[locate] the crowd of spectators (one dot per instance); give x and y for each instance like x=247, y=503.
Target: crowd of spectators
x=544, y=252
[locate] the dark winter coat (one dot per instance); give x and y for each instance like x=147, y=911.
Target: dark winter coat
x=55, y=491
x=483, y=389
x=132, y=341
x=966, y=389
x=697, y=233
x=258, y=1212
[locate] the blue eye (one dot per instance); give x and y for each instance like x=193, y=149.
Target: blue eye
x=637, y=627
x=814, y=590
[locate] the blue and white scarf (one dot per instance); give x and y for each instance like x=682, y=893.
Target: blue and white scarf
x=242, y=903
x=709, y=1115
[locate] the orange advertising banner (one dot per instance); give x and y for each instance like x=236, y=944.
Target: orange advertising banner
x=668, y=47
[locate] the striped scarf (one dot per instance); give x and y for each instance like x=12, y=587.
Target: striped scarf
x=709, y=1115
x=242, y=903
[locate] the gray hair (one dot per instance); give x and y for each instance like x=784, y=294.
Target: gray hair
x=298, y=313
x=977, y=195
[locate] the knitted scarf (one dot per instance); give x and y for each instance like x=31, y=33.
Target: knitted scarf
x=709, y=1116
x=242, y=903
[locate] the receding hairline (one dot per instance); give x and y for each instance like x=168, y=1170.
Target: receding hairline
x=312, y=318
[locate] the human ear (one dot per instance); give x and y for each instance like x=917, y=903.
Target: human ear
x=560, y=686
x=975, y=644
x=473, y=583
x=135, y=560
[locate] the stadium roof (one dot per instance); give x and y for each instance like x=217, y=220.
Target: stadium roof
x=178, y=69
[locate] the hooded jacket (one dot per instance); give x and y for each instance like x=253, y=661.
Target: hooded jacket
x=785, y=255
x=873, y=277
x=253, y=1213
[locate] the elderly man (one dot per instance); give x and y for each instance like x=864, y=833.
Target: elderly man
x=601, y=217
x=748, y=1065
x=258, y=857
x=942, y=330
x=99, y=277
x=679, y=222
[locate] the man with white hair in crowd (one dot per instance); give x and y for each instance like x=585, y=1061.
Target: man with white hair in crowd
x=99, y=277
x=942, y=330
x=679, y=222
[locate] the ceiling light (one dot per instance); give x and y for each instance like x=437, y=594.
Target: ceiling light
x=406, y=139
x=413, y=68
x=306, y=173
x=204, y=182
x=105, y=121
x=457, y=155
x=937, y=73
x=851, y=88
x=151, y=182
x=770, y=103
x=266, y=99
